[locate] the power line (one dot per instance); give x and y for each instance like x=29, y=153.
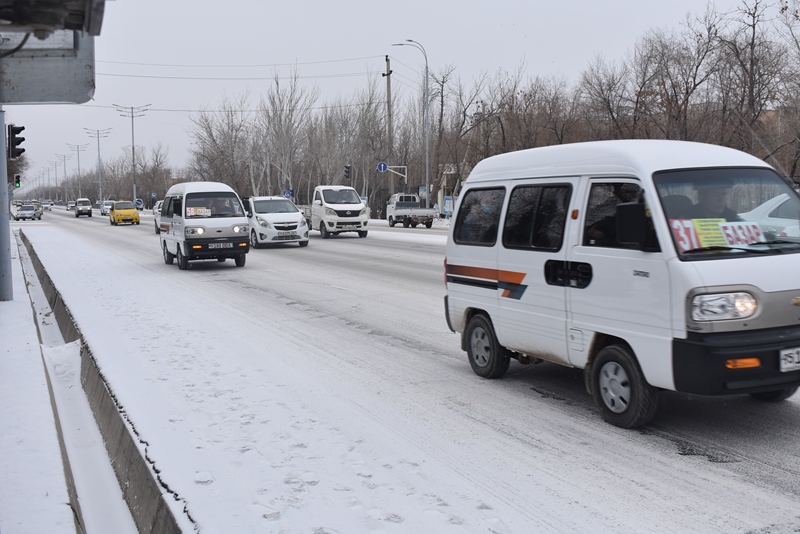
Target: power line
x=240, y=66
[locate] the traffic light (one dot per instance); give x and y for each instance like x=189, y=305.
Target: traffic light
x=347, y=173
x=16, y=180
x=14, y=140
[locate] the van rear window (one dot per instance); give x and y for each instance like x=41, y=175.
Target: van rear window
x=479, y=216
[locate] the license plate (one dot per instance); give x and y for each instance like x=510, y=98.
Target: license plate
x=285, y=233
x=348, y=227
x=220, y=245
x=790, y=360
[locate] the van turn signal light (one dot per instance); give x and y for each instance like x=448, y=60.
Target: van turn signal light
x=743, y=363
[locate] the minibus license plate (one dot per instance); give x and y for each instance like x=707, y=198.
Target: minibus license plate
x=220, y=245
x=790, y=360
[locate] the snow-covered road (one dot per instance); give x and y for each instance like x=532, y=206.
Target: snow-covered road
x=319, y=390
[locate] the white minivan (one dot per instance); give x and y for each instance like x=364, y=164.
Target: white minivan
x=203, y=221
x=632, y=261
x=336, y=209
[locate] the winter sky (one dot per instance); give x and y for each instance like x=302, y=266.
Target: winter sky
x=182, y=56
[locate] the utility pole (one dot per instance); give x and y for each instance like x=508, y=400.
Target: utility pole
x=132, y=112
x=389, y=132
x=78, y=149
x=64, y=159
x=97, y=134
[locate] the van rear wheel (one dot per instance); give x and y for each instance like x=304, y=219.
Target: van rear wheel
x=623, y=395
x=486, y=356
x=168, y=256
x=183, y=261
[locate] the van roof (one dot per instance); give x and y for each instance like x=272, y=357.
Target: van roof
x=640, y=157
x=198, y=187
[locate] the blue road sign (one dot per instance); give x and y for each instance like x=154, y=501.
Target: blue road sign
x=153, y=194
x=139, y=202
x=382, y=166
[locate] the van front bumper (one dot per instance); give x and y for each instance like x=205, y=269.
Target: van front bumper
x=698, y=362
x=198, y=249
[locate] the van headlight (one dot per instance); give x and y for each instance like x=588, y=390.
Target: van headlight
x=195, y=230
x=263, y=222
x=330, y=212
x=363, y=212
x=723, y=306
x=240, y=229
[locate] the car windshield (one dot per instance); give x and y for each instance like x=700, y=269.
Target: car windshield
x=214, y=204
x=713, y=213
x=126, y=205
x=341, y=196
x=26, y=208
x=278, y=205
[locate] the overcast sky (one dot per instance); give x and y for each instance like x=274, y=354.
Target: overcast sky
x=237, y=46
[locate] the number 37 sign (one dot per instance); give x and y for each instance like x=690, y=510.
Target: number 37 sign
x=698, y=233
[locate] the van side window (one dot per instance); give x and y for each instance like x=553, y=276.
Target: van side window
x=166, y=207
x=479, y=217
x=177, y=210
x=601, y=224
x=536, y=217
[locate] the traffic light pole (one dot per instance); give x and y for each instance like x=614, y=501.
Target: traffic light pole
x=6, y=283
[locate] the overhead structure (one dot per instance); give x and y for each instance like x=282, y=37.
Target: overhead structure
x=42, y=17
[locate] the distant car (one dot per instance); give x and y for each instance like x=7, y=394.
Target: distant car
x=123, y=211
x=70, y=205
x=47, y=205
x=775, y=214
x=157, y=215
x=105, y=207
x=28, y=211
x=83, y=206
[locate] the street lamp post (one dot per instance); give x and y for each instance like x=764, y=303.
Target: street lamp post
x=78, y=149
x=132, y=112
x=418, y=46
x=97, y=134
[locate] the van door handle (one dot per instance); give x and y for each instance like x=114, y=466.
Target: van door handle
x=567, y=274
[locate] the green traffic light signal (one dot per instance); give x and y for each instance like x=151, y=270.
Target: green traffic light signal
x=16, y=180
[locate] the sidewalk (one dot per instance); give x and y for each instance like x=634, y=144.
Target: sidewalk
x=33, y=492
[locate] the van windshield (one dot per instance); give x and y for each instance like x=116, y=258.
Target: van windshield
x=716, y=213
x=213, y=205
x=342, y=196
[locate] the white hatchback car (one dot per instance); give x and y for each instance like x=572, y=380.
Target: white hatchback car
x=105, y=207
x=275, y=220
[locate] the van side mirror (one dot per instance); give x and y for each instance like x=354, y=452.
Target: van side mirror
x=631, y=224
x=318, y=202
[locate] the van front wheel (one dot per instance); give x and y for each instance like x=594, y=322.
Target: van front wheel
x=486, y=356
x=323, y=231
x=623, y=395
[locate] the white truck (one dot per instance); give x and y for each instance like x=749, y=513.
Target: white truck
x=404, y=208
x=336, y=209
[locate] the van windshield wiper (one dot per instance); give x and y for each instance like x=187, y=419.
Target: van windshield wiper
x=716, y=248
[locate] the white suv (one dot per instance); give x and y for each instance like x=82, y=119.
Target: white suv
x=83, y=206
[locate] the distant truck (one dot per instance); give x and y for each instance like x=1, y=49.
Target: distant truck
x=404, y=208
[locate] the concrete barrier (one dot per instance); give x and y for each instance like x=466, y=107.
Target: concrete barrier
x=137, y=480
